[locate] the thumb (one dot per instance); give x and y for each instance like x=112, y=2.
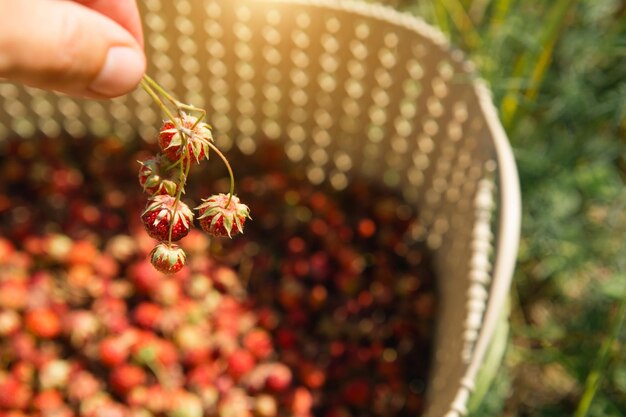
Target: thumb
x=64, y=46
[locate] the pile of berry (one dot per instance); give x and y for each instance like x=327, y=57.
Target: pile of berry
x=324, y=307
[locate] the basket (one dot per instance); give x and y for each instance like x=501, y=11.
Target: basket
x=348, y=89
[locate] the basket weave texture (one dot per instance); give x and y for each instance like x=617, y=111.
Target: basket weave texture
x=349, y=90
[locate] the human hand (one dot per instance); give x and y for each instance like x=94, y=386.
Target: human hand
x=84, y=48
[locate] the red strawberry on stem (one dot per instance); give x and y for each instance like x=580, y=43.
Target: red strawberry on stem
x=167, y=258
x=223, y=215
x=196, y=134
x=152, y=178
x=163, y=212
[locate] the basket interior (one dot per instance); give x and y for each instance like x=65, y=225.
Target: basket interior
x=347, y=90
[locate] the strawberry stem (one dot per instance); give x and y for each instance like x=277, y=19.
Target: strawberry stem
x=154, y=85
x=148, y=89
x=176, y=103
x=184, y=171
x=230, y=172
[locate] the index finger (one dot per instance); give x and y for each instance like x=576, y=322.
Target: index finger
x=124, y=12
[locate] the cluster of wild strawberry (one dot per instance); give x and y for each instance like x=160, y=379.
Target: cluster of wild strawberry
x=184, y=140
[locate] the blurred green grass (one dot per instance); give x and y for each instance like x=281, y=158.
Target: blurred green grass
x=558, y=73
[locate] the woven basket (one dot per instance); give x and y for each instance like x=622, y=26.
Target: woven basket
x=349, y=90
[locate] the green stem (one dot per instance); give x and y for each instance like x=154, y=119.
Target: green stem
x=148, y=88
x=230, y=172
x=184, y=171
x=592, y=383
x=161, y=90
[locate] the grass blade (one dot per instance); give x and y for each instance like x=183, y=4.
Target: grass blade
x=532, y=65
x=462, y=21
x=595, y=376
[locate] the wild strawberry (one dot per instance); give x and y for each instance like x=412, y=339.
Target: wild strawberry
x=185, y=404
x=234, y=403
x=152, y=178
x=168, y=259
x=13, y=294
x=167, y=293
x=143, y=275
x=166, y=354
x=259, y=343
x=265, y=406
x=240, y=362
x=48, y=400
x=43, y=322
x=126, y=377
x=113, y=351
x=81, y=386
x=278, y=377
x=24, y=372
x=10, y=322
x=219, y=220
x=313, y=376
x=197, y=135
x=158, y=399
x=193, y=343
x=158, y=216
x=14, y=394
x=23, y=346
x=302, y=402
x=147, y=315
x=54, y=374
x=356, y=392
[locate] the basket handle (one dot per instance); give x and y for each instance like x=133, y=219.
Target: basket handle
x=508, y=234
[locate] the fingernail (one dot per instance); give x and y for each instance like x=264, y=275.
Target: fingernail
x=121, y=72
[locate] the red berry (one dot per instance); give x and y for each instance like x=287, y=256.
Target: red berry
x=147, y=315
x=14, y=394
x=185, y=404
x=158, y=399
x=13, y=294
x=10, y=322
x=166, y=354
x=43, y=322
x=143, y=275
x=240, y=362
x=82, y=385
x=126, y=377
x=48, y=400
x=302, y=402
x=198, y=138
x=151, y=177
x=168, y=259
x=218, y=219
x=278, y=378
x=259, y=343
x=157, y=218
x=113, y=351
x=265, y=406
x=356, y=392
